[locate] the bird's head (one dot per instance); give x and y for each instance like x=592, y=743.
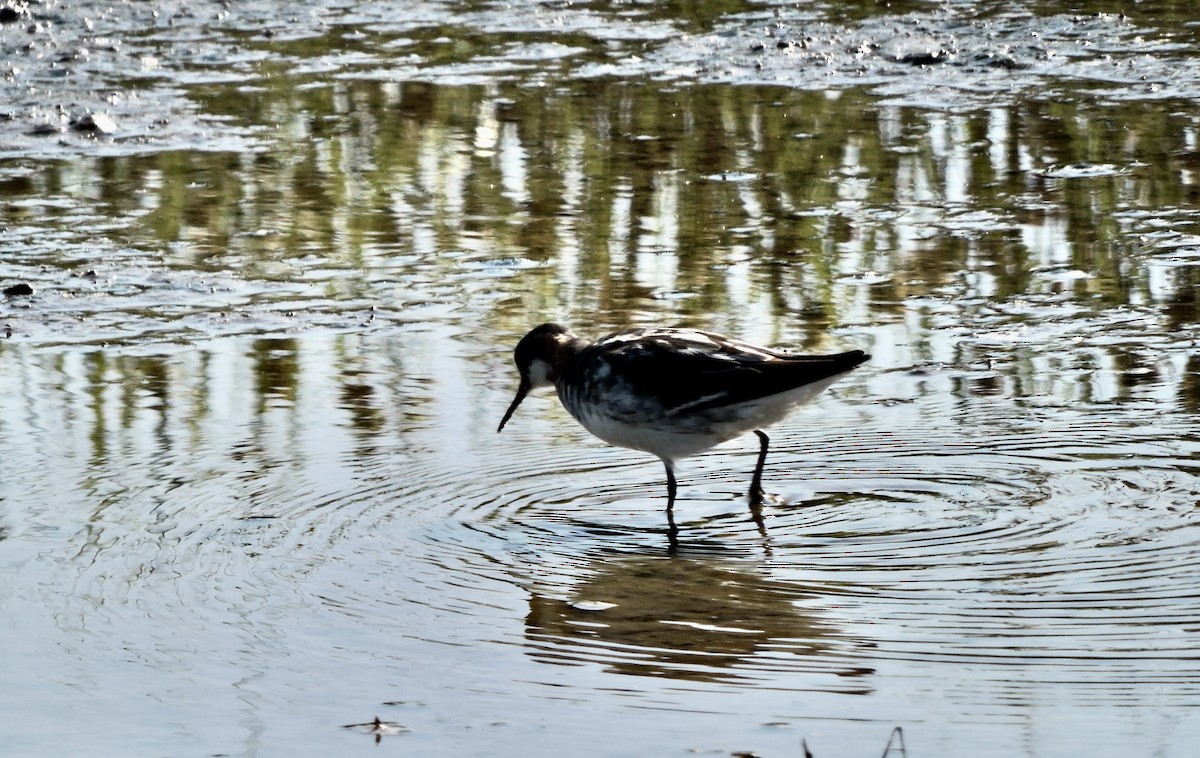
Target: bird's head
x=540, y=357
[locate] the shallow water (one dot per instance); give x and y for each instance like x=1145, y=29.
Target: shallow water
x=253, y=492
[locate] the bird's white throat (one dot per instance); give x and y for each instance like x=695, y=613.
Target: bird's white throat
x=539, y=373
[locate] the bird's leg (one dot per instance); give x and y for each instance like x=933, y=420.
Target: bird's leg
x=671, y=487
x=756, y=491
x=672, y=531
x=757, y=517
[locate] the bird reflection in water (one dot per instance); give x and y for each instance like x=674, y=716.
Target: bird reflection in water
x=699, y=619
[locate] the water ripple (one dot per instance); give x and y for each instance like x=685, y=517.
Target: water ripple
x=1046, y=544
x=1050, y=543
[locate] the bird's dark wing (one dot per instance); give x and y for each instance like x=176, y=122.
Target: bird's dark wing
x=687, y=370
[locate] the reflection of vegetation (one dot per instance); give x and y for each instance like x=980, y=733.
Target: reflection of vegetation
x=277, y=370
x=710, y=205
x=1164, y=14
x=123, y=410
x=664, y=192
x=1189, y=389
x=681, y=618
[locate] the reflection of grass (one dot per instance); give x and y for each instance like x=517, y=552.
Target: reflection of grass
x=617, y=189
x=779, y=214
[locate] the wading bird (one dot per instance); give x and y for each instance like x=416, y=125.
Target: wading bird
x=673, y=392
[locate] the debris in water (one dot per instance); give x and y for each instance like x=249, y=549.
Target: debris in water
x=378, y=728
x=94, y=123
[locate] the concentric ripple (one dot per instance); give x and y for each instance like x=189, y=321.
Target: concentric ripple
x=1044, y=542
x=910, y=554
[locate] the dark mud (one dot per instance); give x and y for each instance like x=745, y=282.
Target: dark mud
x=134, y=66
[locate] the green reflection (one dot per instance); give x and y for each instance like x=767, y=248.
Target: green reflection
x=792, y=215
x=692, y=179
x=276, y=370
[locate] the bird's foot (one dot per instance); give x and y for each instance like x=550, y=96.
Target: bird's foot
x=759, y=497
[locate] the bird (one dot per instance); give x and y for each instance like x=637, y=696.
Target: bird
x=673, y=392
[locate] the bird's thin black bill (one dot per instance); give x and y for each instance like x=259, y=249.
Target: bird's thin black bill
x=521, y=392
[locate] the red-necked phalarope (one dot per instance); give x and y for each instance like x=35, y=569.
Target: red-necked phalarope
x=673, y=392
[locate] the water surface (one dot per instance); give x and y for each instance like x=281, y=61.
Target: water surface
x=253, y=492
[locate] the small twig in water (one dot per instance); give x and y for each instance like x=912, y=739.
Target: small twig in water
x=898, y=737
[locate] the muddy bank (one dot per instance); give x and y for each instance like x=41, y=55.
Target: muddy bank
x=115, y=78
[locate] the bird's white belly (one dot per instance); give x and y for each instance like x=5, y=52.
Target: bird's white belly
x=675, y=436
x=666, y=442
